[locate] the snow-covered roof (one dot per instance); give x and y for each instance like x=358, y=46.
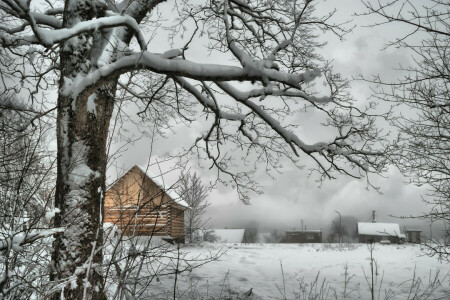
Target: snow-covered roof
x=230, y=235
x=305, y=231
x=380, y=229
x=159, y=181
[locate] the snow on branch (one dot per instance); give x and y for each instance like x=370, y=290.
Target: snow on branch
x=206, y=102
x=15, y=241
x=179, y=67
x=270, y=91
x=50, y=37
x=326, y=149
x=287, y=135
x=41, y=19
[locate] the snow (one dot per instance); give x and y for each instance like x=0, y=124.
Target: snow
x=244, y=95
x=207, y=102
x=159, y=180
x=81, y=173
x=91, y=106
x=379, y=229
x=31, y=52
x=262, y=267
x=50, y=37
x=41, y=18
x=108, y=47
x=16, y=240
x=75, y=220
x=51, y=213
x=172, y=53
x=230, y=235
x=158, y=63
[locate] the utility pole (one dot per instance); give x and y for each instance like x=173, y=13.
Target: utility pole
x=302, y=224
x=431, y=231
x=373, y=216
x=340, y=226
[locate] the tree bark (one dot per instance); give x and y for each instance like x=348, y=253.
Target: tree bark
x=82, y=130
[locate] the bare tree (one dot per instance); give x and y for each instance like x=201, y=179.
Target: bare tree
x=93, y=51
x=26, y=192
x=337, y=231
x=422, y=97
x=194, y=193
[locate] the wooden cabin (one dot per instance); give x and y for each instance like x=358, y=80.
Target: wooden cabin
x=303, y=236
x=140, y=204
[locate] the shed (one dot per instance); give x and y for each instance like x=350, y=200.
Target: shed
x=376, y=232
x=140, y=204
x=413, y=235
x=303, y=236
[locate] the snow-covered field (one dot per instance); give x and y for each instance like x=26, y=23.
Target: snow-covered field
x=308, y=270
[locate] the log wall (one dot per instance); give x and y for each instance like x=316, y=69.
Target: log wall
x=137, y=206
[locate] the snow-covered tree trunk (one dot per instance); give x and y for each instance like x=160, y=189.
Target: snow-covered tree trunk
x=82, y=127
x=80, y=192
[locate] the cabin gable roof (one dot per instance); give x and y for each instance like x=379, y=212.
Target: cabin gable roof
x=157, y=180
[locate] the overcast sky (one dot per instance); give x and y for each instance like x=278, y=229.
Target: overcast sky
x=293, y=196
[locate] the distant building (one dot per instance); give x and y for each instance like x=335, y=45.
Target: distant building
x=413, y=236
x=303, y=236
x=378, y=232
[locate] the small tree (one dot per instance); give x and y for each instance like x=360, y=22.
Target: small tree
x=250, y=235
x=194, y=193
x=338, y=231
